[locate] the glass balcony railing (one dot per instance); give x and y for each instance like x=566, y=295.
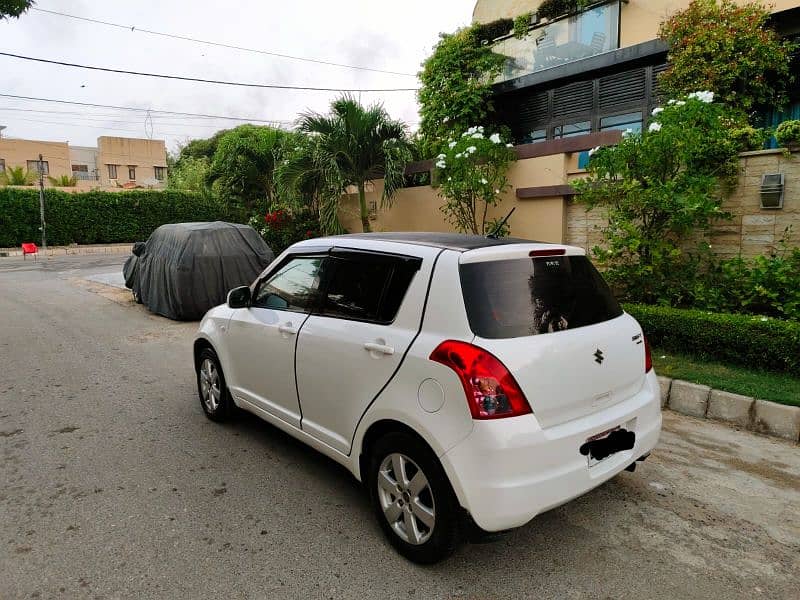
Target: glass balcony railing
x=586, y=34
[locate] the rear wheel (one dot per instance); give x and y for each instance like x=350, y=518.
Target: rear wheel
x=214, y=395
x=412, y=499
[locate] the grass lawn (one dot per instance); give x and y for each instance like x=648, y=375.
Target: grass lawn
x=764, y=385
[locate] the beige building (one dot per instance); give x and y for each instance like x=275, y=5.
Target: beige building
x=577, y=82
x=115, y=163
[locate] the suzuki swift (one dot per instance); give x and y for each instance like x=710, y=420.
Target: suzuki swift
x=470, y=383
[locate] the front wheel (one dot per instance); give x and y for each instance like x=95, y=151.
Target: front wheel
x=412, y=499
x=214, y=395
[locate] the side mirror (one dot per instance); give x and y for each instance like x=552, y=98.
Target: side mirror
x=138, y=248
x=239, y=297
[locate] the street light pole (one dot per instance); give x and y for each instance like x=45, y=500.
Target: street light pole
x=41, y=206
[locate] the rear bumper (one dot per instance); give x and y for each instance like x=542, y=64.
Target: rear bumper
x=509, y=470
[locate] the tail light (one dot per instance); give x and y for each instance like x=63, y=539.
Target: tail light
x=492, y=392
x=648, y=359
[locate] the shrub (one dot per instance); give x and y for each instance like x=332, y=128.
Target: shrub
x=788, y=133
x=729, y=50
x=494, y=29
x=472, y=174
x=738, y=339
x=281, y=228
x=748, y=137
x=522, y=24
x=100, y=217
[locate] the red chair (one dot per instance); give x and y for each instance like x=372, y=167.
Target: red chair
x=29, y=248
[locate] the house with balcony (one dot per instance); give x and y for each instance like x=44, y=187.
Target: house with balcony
x=577, y=81
x=115, y=163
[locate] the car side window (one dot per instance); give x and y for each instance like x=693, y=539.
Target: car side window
x=366, y=289
x=295, y=287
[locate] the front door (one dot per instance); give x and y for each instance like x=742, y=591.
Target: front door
x=349, y=348
x=262, y=338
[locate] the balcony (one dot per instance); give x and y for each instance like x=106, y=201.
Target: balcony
x=554, y=43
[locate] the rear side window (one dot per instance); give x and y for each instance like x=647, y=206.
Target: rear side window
x=366, y=288
x=530, y=296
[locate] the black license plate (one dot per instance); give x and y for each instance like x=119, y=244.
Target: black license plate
x=601, y=446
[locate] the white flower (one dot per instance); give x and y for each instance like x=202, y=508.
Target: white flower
x=471, y=149
x=593, y=150
x=627, y=132
x=497, y=191
x=764, y=319
x=445, y=120
x=509, y=145
x=477, y=135
x=452, y=145
x=449, y=179
x=654, y=127
x=479, y=128
x=441, y=164
x=657, y=110
x=442, y=156
x=483, y=181
x=707, y=97
x=680, y=103
x=495, y=138
x=459, y=155
x=671, y=102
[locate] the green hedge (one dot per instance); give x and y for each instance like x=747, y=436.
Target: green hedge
x=100, y=217
x=753, y=341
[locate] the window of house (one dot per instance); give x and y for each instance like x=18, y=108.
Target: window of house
x=632, y=121
x=2, y=165
x=132, y=173
x=80, y=168
x=112, y=171
x=572, y=129
x=33, y=166
x=160, y=173
x=537, y=135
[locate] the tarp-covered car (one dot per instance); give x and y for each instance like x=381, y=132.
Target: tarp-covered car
x=184, y=269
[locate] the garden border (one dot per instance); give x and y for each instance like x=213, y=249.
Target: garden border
x=701, y=401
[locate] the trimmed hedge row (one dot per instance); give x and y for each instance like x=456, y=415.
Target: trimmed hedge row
x=752, y=341
x=100, y=217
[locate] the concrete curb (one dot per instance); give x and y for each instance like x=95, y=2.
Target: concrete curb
x=770, y=418
x=73, y=250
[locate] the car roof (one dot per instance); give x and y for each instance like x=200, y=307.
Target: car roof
x=450, y=241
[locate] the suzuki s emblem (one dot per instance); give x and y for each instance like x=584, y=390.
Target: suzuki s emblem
x=598, y=356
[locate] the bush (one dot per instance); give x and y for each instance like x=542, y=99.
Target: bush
x=788, y=133
x=100, y=217
x=281, y=228
x=738, y=339
x=494, y=29
x=748, y=137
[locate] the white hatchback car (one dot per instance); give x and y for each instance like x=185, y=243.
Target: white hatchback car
x=470, y=383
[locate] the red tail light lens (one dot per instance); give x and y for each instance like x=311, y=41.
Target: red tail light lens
x=492, y=392
x=648, y=359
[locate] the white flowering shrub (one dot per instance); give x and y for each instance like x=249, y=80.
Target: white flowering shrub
x=472, y=176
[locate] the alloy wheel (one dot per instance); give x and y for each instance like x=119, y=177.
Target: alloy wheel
x=210, y=385
x=406, y=498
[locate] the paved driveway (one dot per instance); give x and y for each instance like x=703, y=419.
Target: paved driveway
x=114, y=485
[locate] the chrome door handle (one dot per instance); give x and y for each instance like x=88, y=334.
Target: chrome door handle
x=287, y=329
x=380, y=348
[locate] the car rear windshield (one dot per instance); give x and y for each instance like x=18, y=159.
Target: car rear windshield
x=529, y=296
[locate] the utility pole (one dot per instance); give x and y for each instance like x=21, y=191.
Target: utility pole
x=41, y=206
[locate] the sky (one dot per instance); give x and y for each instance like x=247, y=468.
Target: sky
x=388, y=36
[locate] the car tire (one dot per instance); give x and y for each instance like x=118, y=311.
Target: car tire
x=420, y=517
x=215, y=398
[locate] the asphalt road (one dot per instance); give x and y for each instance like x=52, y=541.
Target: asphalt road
x=114, y=485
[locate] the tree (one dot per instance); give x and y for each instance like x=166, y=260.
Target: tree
x=729, y=50
x=18, y=176
x=352, y=145
x=244, y=163
x=456, y=86
x=14, y=8
x=189, y=174
x=657, y=188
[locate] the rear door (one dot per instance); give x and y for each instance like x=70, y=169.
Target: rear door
x=552, y=320
x=351, y=346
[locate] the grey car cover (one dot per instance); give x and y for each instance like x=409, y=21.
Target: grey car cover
x=185, y=269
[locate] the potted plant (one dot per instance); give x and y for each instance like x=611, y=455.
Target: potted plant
x=788, y=135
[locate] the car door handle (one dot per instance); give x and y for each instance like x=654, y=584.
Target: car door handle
x=380, y=348
x=287, y=329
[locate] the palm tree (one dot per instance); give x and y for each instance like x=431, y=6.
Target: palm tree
x=63, y=181
x=352, y=145
x=17, y=176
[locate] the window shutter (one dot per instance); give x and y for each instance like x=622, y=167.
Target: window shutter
x=658, y=93
x=573, y=99
x=622, y=90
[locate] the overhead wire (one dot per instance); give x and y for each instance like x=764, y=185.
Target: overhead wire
x=201, y=80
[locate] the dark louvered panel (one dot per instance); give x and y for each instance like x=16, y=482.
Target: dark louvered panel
x=658, y=93
x=533, y=109
x=622, y=89
x=573, y=99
